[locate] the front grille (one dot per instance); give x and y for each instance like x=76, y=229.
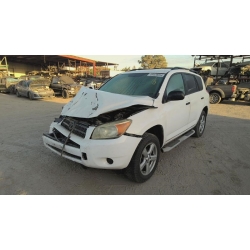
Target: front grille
x=57, y=136
x=80, y=127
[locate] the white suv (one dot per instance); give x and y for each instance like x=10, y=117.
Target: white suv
x=133, y=116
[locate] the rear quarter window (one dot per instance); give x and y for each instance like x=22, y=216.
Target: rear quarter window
x=199, y=81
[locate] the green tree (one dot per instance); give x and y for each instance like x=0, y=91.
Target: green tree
x=126, y=69
x=153, y=61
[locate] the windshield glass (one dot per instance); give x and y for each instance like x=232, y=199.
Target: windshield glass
x=139, y=84
x=38, y=82
x=66, y=80
x=12, y=80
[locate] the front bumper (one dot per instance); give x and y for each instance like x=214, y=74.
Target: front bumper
x=93, y=153
x=43, y=95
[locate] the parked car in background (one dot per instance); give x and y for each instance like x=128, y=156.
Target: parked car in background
x=90, y=82
x=130, y=119
x=8, y=83
x=210, y=68
x=64, y=86
x=34, y=89
x=221, y=91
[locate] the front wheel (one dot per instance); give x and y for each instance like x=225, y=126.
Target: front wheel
x=201, y=124
x=145, y=159
x=65, y=94
x=30, y=96
x=214, y=98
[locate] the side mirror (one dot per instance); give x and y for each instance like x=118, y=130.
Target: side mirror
x=174, y=96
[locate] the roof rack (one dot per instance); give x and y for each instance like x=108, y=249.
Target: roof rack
x=137, y=69
x=171, y=68
x=179, y=68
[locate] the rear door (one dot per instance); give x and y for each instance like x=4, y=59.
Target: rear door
x=195, y=97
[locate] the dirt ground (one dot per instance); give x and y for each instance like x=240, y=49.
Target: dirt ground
x=217, y=163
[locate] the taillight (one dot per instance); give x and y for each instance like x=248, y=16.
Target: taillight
x=234, y=88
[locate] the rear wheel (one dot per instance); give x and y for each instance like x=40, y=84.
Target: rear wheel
x=65, y=94
x=145, y=159
x=200, y=126
x=214, y=98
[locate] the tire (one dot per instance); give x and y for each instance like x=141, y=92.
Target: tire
x=17, y=94
x=30, y=96
x=214, y=98
x=200, y=126
x=145, y=159
x=65, y=94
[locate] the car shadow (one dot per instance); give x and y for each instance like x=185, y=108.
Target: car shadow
x=237, y=102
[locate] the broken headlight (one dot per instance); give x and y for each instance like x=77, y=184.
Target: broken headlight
x=111, y=130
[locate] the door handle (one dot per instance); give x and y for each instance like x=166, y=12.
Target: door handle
x=202, y=98
x=187, y=103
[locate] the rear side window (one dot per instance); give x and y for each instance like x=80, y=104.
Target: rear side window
x=199, y=81
x=191, y=85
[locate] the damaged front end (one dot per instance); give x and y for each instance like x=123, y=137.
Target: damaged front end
x=117, y=118
x=92, y=129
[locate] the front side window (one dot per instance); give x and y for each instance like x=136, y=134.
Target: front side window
x=135, y=84
x=216, y=65
x=175, y=83
x=55, y=80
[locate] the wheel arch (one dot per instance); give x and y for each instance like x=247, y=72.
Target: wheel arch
x=218, y=91
x=157, y=130
x=205, y=109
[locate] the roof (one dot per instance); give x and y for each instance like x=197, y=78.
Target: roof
x=54, y=60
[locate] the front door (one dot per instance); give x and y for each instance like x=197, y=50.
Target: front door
x=175, y=113
x=56, y=85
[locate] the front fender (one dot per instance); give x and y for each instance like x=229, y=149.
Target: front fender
x=143, y=121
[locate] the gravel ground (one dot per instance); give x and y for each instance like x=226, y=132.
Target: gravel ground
x=217, y=163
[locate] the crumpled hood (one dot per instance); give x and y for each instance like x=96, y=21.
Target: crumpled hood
x=89, y=103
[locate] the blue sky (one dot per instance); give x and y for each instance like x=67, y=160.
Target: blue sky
x=132, y=60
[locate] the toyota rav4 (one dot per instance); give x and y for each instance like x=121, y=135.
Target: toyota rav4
x=130, y=119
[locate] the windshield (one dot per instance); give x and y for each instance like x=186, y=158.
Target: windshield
x=38, y=82
x=139, y=84
x=12, y=80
